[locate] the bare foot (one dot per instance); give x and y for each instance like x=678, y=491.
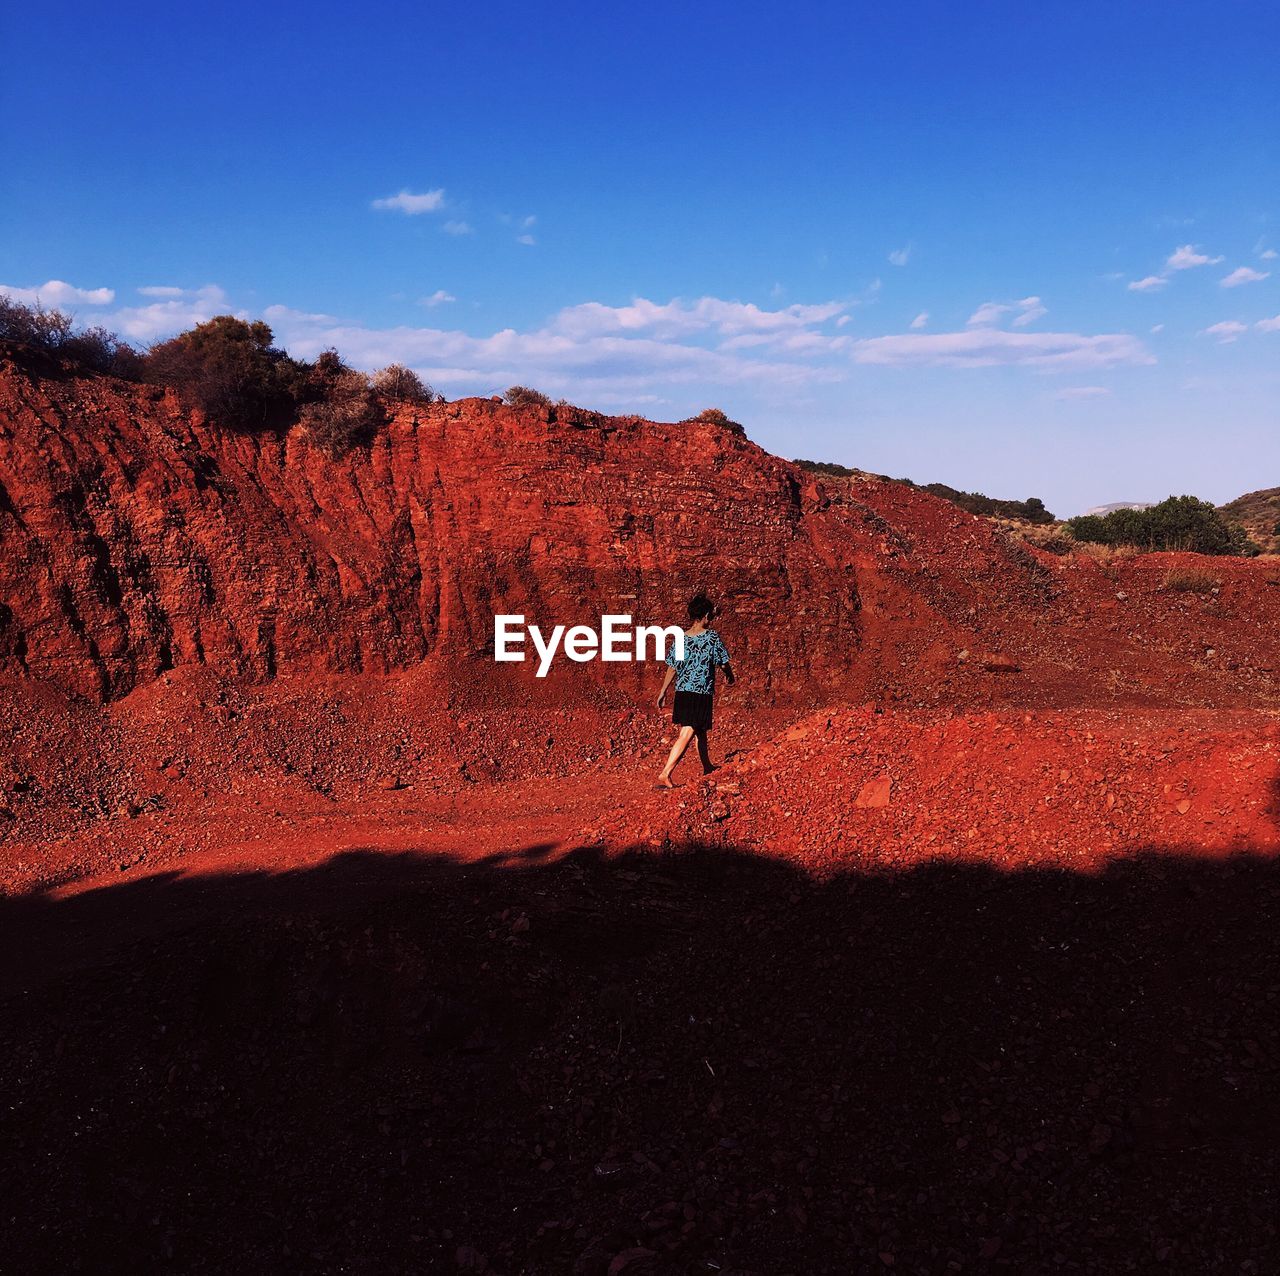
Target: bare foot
x=664, y=782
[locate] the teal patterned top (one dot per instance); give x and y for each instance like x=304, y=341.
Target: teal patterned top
x=702, y=654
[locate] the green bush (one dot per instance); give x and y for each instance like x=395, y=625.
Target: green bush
x=1182, y=523
x=1031, y=510
x=229, y=368
x=829, y=468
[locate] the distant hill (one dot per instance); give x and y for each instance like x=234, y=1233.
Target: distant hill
x=1259, y=514
x=1120, y=505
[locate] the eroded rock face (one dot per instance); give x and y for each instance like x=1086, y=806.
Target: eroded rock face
x=136, y=537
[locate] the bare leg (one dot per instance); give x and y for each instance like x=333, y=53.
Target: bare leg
x=677, y=752
x=704, y=755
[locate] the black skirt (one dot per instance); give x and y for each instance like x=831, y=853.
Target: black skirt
x=692, y=709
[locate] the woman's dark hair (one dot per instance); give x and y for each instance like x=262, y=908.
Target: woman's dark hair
x=701, y=607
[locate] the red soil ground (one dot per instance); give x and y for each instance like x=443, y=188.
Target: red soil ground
x=329, y=945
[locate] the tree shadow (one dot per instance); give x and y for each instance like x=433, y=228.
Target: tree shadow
x=691, y=1062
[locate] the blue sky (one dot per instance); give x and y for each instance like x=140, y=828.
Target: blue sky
x=1024, y=249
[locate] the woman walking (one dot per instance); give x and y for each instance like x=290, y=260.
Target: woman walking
x=695, y=679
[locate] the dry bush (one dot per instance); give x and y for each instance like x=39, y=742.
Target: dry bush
x=47, y=330
x=522, y=396
x=402, y=385
x=714, y=416
x=53, y=332
x=1188, y=580
x=347, y=416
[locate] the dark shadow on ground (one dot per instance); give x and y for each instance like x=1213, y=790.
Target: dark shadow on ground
x=704, y=1061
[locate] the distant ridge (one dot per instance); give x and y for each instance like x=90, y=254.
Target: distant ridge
x=1120, y=505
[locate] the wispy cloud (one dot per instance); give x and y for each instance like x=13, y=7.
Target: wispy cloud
x=1031, y=309
x=1084, y=392
x=900, y=256
x=1226, y=331
x=458, y=228
x=437, y=298
x=526, y=239
x=1243, y=275
x=1269, y=254
x=1184, y=257
x=1268, y=325
x=679, y=318
x=1187, y=257
x=990, y=313
x=57, y=292
x=920, y=321
x=984, y=347
x=161, y=290
x=412, y=204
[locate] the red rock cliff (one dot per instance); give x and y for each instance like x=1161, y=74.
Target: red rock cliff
x=135, y=536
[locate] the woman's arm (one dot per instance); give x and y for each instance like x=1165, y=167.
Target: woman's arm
x=666, y=682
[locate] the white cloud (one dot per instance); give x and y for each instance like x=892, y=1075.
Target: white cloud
x=1268, y=325
x=525, y=239
x=920, y=321
x=1187, y=257
x=1243, y=275
x=1269, y=254
x=1227, y=330
x=1150, y=284
x=1157, y=327
x=458, y=228
x=161, y=290
x=1084, y=392
x=174, y=314
x=591, y=362
x=58, y=292
x=1029, y=309
x=983, y=347
x=900, y=256
x=410, y=204
x=437, y=298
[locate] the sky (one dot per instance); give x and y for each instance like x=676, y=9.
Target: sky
x=1022, y=249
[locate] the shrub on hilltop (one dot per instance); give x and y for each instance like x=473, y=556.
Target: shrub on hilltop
x=522, y=396
x=228, y=367
x=715, y=416
x=341, y=409
x=53, y=332
x=402, y=385
x=1032, y=510
x=1182, y=523
x=828, y=468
